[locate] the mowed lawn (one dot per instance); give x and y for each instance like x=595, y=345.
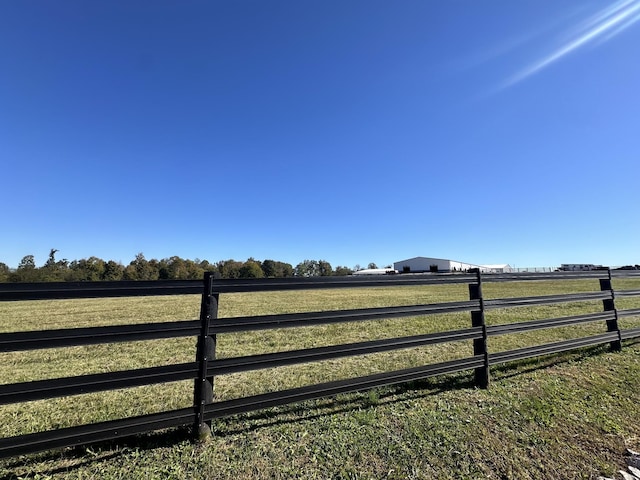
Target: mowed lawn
x=562, y=416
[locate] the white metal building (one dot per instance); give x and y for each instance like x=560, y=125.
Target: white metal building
x=500, y=268
x=426, y=264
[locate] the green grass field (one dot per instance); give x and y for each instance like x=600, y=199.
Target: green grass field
x=563, y=416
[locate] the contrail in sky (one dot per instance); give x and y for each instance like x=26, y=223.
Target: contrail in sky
x=603, y=26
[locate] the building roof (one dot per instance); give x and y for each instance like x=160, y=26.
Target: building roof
x=428, y=258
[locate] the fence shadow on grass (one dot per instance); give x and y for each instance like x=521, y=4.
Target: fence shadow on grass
x=343, y=403
x=417, y=389
x=506, y=371
x=81, y=456
x=521, y=367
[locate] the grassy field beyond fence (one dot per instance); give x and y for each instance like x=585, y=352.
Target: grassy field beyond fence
x=565, y=416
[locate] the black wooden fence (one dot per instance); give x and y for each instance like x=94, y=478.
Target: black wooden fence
x=205, y=365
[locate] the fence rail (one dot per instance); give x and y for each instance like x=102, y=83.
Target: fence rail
x=71, y=290
x=206, y=366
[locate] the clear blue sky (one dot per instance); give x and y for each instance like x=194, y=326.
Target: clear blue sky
x=493, y=131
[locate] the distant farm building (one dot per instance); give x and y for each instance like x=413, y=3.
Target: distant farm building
x=435, y=265
x=376, y=271
x=499, y=268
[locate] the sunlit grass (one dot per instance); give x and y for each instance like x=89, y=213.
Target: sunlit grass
x=68, y=411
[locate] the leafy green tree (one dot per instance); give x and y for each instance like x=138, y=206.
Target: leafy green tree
x=372, y=265
x=96, y=269
x=141, y=269
x=28, y=262
x=341, y=271
x=251, y=269
x=87, y=269
x=205, y=265
x=308, y=268
x=269, y=268
x=229, y=268
x=174, y=268
x=324, y=268
x=51, y=261
x=113, y=271
x=130, y=273
x=164, y=272
x=5, y=272
x=285, y=270
x=194, y=270
x=53, y=270
x=153, y=270
x=26, y=271
x=276, y=269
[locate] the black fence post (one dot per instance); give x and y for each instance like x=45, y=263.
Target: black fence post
x=206, y=351
x=477, y=320
x=609, y=305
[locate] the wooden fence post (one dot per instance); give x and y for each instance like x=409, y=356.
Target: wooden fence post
x=609, y=305
x=206, y=351
x=477, y=320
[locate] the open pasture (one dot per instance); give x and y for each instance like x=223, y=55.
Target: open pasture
x=403, y=413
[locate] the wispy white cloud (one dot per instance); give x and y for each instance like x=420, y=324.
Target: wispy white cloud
x=601, y=27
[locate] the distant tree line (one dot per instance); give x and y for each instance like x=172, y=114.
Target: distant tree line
x=173, y=268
